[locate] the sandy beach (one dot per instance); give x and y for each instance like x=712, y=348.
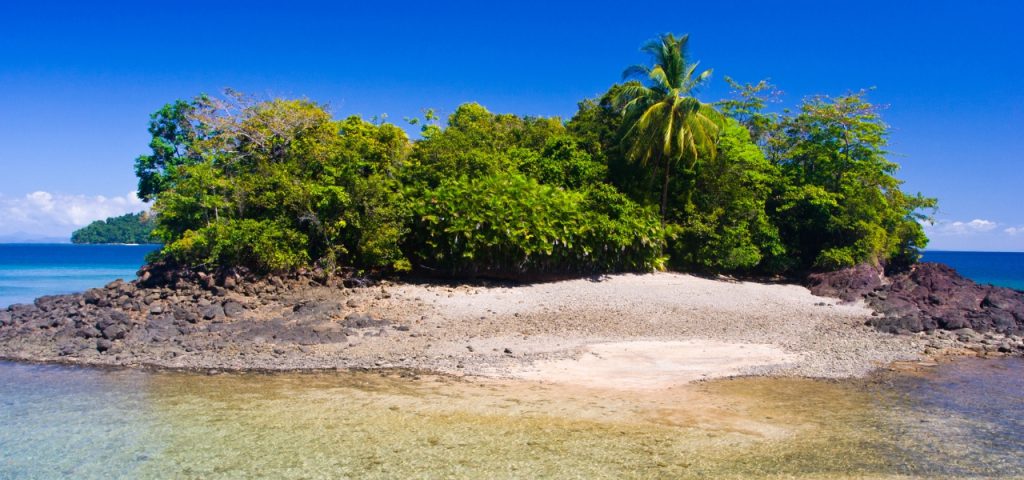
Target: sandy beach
x=618, y=331
x=652, y=331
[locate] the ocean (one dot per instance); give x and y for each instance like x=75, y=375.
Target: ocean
x=30, y=270
x=1005, y=269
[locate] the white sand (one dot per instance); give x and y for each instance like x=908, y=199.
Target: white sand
x=642, y=331
x=637, y=365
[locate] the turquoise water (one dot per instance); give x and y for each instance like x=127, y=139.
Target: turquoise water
x=1005, y=269
x=31, y=270
x=957, y=420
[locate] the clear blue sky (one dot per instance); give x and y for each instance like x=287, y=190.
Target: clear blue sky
x=78, y=82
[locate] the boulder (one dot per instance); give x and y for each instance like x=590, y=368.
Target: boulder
x=47, y=303
x=103, y=345
x=212, y=311
x=363, y=320
x=233, y=309
x=93, y=296
x=88, y=331
x=355, y=282
x=115, y=332
x=184, y=315
x=313, y=309
x=848, y=284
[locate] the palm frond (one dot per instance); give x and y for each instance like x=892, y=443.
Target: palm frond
x=636, y=71
x=660, y=78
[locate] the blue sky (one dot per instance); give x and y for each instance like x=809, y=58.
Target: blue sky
x=78, y=82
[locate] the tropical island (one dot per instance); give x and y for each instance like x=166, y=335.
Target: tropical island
x=294, y=240
x=130, y=228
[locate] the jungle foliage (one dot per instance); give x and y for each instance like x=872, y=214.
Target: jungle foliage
x=644, y=177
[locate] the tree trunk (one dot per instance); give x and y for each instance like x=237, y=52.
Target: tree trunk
x=664, y=194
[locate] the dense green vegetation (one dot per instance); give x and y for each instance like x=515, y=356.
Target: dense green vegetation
x=128, y=228
x=644, y=177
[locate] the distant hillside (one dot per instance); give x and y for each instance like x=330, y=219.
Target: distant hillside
x=128, y=228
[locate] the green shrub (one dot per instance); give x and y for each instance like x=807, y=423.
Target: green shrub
x=265, y=246
x=512, y=225
x=562, y=163
x=836, y=258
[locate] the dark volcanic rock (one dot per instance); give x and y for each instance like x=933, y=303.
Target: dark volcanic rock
x=931, y=296
x=213, y=311
x=848, y=284
x=355, y=282
x=93, y=296
x=363, y=320
x=184, y=315
x=233, y=309
x=115, y=332
x=88, y=331
x=169, y=310
x=104, y=344
x=317, y=309
x=47, y=303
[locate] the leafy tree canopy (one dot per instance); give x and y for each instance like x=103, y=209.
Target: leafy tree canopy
x=643, y=177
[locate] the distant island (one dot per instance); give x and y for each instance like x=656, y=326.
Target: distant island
x=128, y=228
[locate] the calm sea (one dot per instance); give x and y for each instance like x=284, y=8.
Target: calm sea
x=30, y=270
x=1005, y=269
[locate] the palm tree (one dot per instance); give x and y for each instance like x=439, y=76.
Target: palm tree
x=663, y=124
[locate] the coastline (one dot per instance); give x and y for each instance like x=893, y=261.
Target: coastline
x=660, y=330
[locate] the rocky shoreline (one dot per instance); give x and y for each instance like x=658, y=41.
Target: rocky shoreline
x=196, y=323
x=954, y=313
x=309, y=321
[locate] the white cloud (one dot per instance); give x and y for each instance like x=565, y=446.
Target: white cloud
x=961, y=228
x=57, y=214
x=1014, y=230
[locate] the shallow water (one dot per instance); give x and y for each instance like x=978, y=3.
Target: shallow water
x=56, y=421
x=969, y=412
